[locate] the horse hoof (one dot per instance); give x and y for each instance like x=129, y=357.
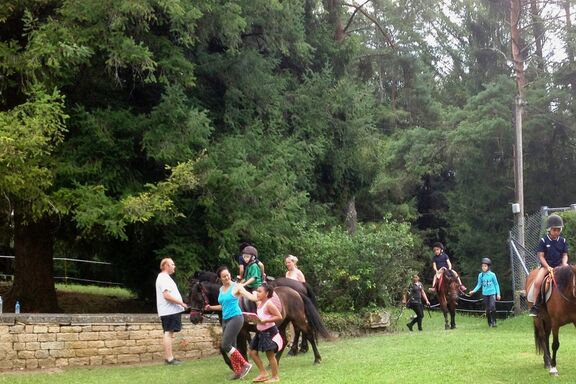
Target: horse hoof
x=292, y=353
x=553, y=371
x=453, y=327
x=318, y=361
x=303, y=350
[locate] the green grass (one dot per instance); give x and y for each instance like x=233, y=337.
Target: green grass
x=119, y=292
x=473, y=353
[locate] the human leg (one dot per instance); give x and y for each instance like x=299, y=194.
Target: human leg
x=262, y=373
x=419, y=315
x=410, y=325
x=542, y=272
x=170, y=324
x=273, y=364
x=230, y=330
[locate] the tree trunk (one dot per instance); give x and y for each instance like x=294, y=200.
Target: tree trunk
x=33, y=283
x=538, y=32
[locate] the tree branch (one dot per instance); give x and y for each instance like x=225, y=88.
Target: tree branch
x=372, y=19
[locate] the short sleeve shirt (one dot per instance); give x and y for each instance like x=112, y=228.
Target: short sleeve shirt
x=416, y=292
x=165, y=283
x=441, y=260
x=553, y=249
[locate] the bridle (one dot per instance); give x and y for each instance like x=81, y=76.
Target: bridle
x=204, y=299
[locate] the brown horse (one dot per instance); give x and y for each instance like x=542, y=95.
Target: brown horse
x=448, y=290
x=559, y=310
x=296, y=308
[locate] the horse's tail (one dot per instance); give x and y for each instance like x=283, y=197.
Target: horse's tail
x=311, y=294
x=537, y=342
x=314, y=318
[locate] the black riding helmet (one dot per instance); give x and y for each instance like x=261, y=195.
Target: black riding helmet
x=250, y=250
x=487, y=261
x=438, y=245
x=554, y=221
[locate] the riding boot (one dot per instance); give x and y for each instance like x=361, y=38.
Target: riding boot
x=239, y=365
x=489, y=318
x=493, y=317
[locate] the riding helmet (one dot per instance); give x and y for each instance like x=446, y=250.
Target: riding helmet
x=438, y=245
x=486, y=260
x=554, y=221
x=250, y=250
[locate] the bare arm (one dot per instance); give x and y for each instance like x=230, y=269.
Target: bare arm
x=565, y=259
x=241, y=291
x=434, y=267
x=169, y=297
x=424, y=296
x=449, y=264
x=274, y=311
x=543, y=260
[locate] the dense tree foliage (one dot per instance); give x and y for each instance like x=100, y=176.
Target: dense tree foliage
x=354, y=134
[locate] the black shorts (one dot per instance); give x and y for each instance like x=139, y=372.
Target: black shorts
x=172, y=323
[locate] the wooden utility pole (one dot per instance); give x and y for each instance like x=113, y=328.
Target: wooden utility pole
x=515, y=13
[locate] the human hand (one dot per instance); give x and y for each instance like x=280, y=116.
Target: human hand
x=471, y=293
x=550, y=269
x=498, y=297
x=207, y=307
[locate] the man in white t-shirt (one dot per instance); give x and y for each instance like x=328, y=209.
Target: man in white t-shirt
x=170, y=306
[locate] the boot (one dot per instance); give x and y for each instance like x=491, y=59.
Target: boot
x=493, y=317
x=240, y=366
x=489, y=318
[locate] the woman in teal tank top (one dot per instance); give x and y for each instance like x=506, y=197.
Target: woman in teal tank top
x=232, y=320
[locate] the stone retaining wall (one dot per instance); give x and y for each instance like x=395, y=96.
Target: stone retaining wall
x=31, y=341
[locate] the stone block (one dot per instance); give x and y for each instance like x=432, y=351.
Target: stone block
x=101, y=328
x=137, y=350
x=96, y=360
x=26, y=337
x=62, y=362
x=139, y=335
x=95, y=344
x=70, y=329
x=67, y=337
x=76, y=344
x=78, y=361
x=31, y=364
x=4, y=330
x=19, y=346
x=47, y=337
x=40, y=329
x=126, y=358
x=86, y=352
x=62, y=353
x=53, y=329
x=6, y=364
x=26, y=354
x=109, y=359
x=17, y=329
x=89, y=336
x=19, y=363
x=42, y=354
x=33, y=346
x=49, y=362
x=114, y=343
x=52, y=345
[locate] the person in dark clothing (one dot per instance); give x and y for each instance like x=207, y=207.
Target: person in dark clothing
x=415, y=296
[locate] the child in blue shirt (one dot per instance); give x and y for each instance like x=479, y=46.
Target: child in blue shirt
x=490, y=290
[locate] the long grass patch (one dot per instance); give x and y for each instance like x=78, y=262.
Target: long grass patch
x=472, y=353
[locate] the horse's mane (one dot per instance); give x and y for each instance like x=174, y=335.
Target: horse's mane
x=564, y=276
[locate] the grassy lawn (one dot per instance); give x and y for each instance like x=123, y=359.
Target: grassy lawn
x=473, y=353
x=118, y=292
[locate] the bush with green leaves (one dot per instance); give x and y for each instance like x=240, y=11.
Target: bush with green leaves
x=367, y=269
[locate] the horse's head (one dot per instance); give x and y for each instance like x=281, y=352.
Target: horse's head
x=197, y=300
x=450, y=286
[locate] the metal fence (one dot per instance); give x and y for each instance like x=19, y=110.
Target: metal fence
x=67, y=270
x=523, y=259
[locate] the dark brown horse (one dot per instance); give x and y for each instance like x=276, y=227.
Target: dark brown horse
x=559, y=310
x=448, y=290
x=296, y=308
x=303, y=289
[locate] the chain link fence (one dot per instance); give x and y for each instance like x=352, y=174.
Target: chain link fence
x=523, y=259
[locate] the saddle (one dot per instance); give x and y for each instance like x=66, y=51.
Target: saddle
x=545, y=290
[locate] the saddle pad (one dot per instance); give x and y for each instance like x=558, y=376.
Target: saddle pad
x=548, y=291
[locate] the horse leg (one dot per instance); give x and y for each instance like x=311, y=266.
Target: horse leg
x=446, y=325
x=282, y=330
x=309, y=335
x=294, y=348
x=452, y=318
x=555, y=346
